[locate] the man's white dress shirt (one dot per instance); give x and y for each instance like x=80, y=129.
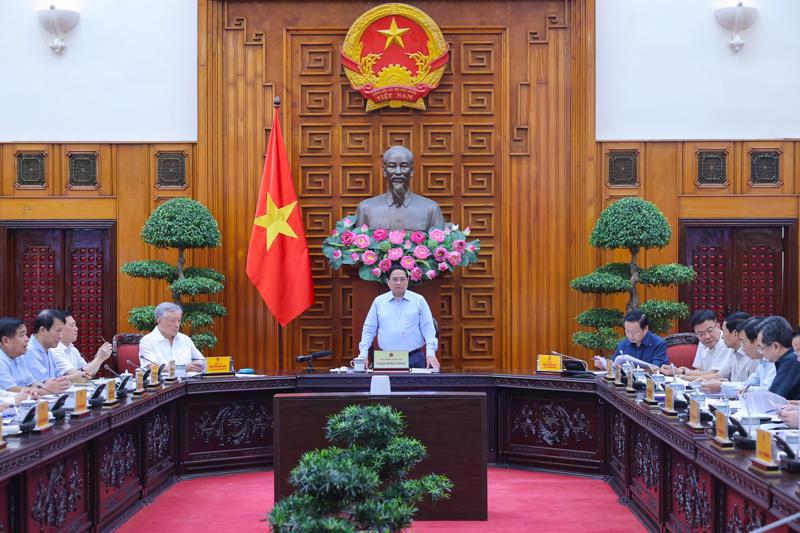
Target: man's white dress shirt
x=68, y=358
x=739, y=368
x=716, y=358
x=155, y=348
x=406, y=324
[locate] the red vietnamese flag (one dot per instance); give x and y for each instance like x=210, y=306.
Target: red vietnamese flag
x=278, y=263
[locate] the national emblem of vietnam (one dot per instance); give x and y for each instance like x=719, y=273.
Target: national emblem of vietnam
x=394, y=55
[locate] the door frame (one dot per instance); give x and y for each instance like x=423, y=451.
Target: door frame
x=790, y=296
x=7, y=226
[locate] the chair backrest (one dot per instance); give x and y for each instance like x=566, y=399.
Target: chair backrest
x=681, y=349
x=125, y=352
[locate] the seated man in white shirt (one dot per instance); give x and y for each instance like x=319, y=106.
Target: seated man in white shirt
x=14, y=374
x=712, y=354
x=741, y=366
x=403, y=321
x=166, y=343
x=69, y=360
x=761, y=378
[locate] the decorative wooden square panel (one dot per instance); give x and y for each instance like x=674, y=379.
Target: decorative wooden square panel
x=315, y=181
x=484, y=267
x=477, y=99
x=88, y=297
x=356, y=139
x=320, y=270
x=315, y=99
x=82, y=171
x=765, y=167
x=436, y=180
x=477, y=179
x=39, y=282
x=171, y=170
x=437, y=139
x=31, y=170
x=315, y=140
x=322, y=308
x=357, y=181
x=480, y=218
x=477, y=342
x=623, y=168
x=759, y=267
x=477, y=57
x=440, y=101
x=318, y=221
x=316, y=339
x=352, y=103
x=397, y=135
x=708, y=290
x=478, y=139
x=477, y=302
x=712, y=167
x=316, y=59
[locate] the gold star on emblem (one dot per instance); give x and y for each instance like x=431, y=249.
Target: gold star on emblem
x=394, y=35
x=275, y=221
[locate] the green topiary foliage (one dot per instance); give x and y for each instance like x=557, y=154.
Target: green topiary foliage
x=634, y=224
x=150, y=268
x=600, y=317
x=631, y=223
x=181, y=223
x=362, y=485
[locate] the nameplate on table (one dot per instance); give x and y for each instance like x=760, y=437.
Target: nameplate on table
x=392, y=360
x=721, y=439
x=609, y=370
x=764, y=461
x=650, y=393
x=153, y=376
x=218, y=365
x=42, y=416
x=548, y=363
x=139, y=382
x=694, y=417
x=111, y=393
x=81, y=402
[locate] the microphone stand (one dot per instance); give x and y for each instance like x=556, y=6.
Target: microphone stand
x=310, y=368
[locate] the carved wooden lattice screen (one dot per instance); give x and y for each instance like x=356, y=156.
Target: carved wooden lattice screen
x=336, y=147
x=38, y=274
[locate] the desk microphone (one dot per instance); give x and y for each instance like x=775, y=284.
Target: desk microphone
x=581, y=361
x=145, y=358
x=312, y=356
x=110, y=370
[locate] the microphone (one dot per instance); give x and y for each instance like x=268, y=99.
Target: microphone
x=145, y=358
x=581, y=361
x=312, y=356
x=110, y=370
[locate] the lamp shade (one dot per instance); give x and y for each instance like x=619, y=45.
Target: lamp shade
x=58, y=21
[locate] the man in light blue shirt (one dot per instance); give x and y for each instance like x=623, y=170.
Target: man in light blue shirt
x=764, y=373
x=47, y=327
x=403, y=321
x=14, y=375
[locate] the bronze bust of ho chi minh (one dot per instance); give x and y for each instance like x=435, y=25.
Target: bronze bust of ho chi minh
x=398, y=208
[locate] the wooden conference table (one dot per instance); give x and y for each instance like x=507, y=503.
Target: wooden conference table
x=93, y=472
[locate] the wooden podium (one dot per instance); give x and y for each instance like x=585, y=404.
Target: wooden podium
x=452, y=425
x=364, y=292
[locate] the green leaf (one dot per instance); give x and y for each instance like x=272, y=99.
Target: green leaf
x=143, y=318
x=204, y=340
x=600, y=282
x=666, y=275
x=181, y=223
x=197, y=320
x=196, y=285
x=602, y=339
x=600, y=318
x=661, y=314
x=151, y=269
x=194, y=272
x=210, y=308
x=631, y=223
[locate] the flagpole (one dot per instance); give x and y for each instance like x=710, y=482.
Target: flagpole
x=276, y=104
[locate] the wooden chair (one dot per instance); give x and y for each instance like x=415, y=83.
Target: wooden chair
x=681, y=349
x=125, y=352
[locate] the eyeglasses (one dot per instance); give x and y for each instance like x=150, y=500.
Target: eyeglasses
x=706, y=332
x=760, y=348
x=398, y=280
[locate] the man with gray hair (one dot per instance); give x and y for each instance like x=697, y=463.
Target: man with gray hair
x=774, y=343
x=166, y=343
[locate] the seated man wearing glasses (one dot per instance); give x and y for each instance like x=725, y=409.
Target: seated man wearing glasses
x=403, y=321
x=774, y=342
x=712, y=356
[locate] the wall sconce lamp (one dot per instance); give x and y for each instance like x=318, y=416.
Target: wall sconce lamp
x=736, y=19
x=58, y=22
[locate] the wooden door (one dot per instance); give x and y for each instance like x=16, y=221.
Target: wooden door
x=744, y=266
x=63, y=268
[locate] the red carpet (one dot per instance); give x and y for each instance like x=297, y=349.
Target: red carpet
x=519, y=501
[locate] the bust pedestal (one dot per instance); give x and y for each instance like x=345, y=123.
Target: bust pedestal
x=366, y=291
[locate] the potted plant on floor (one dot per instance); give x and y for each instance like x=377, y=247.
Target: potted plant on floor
x=362, y=486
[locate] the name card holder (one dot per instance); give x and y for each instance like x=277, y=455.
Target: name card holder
x=42, y=416
x=111, y=393
x=629, y=389
x=81, y=403
x=153, y=382
x=139, y=390
x=218, y=366
x=548, y=364
x=650, y=394
x=721, y=439
x=618, y=376
x=171, y=371
x=764, y=461
x=669, y=403
x=694, y=424
x=609, y=375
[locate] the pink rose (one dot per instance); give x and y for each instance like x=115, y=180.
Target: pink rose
x=440, y=254
x=407, y=262
x=385, y=265
x=397, y=237
x=416, y=274
x=470, y=247
x=418, y=237
x=376, y=272
x=354, y=256
x=348, y=237
x=334, y=233
x=467, y=231
x=337, y=254
x=379, y=234
x=422, y=252
x=348, y=222
x=362, y=241
x=407, y=245
x=394, y=254
x=369, y=257
x=364, y=228
x=430, y=274
x=459, y=245
x=443, y=266
x=437, y=235
x=454, y=258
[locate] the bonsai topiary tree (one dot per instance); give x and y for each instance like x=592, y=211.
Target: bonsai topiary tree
x=633, y=224
x=181, y=223
x=360, y=487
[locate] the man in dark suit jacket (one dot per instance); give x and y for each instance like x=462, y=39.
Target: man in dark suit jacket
x=774, y=342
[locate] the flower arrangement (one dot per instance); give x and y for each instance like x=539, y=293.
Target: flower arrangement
x=424, y=254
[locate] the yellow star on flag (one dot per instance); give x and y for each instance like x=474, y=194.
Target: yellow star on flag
x=275, y=220
x=394, y=35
